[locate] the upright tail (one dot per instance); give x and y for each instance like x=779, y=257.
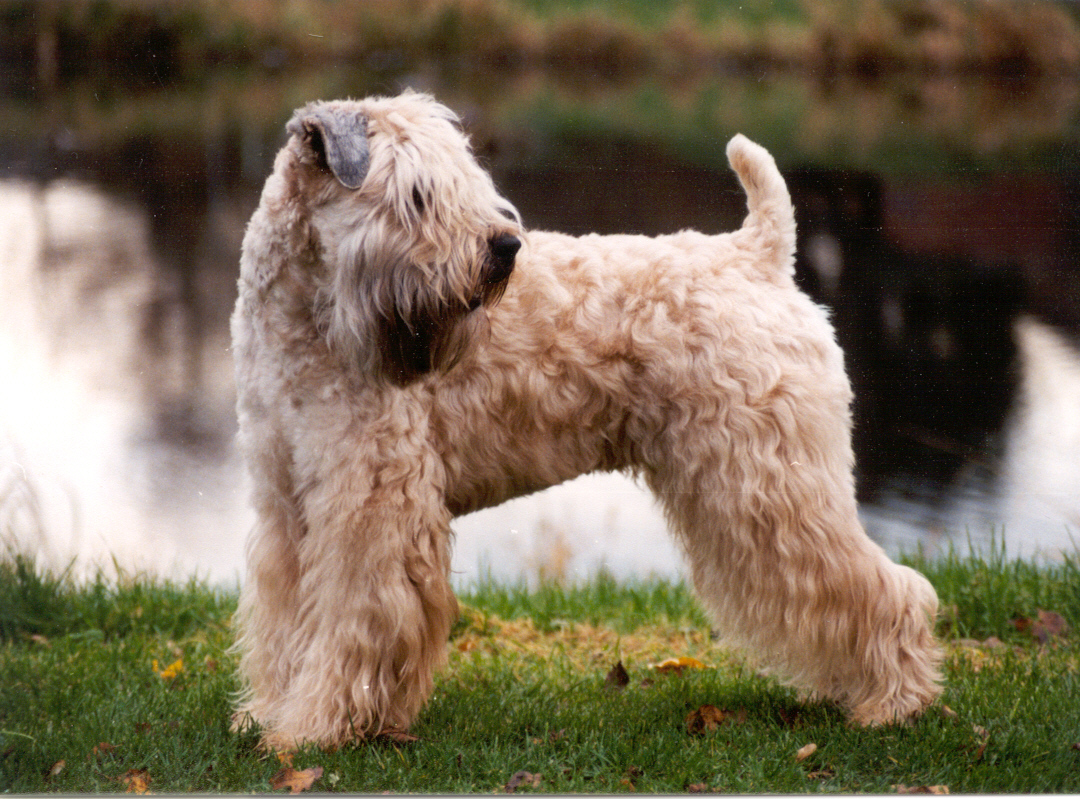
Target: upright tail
x=771, y=219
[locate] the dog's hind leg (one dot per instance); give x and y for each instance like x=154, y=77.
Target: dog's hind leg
x=764, y=507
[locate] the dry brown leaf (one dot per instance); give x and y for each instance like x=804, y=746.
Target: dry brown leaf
x=617, y=678
x=284, y=756
x=697, y=787
x=137, y=780
x=101, y=749
x=792, y=718
x=523, y=779
x=984, y=739
x=1022, y=624
x=57, y=767
x=295, y=781
x=805, y=752
x=705, y=719
x=678, y=664
x=397, y=735
x=1045, y=626
x=1049, y=625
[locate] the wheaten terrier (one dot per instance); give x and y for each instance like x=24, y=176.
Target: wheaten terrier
x=400, y=362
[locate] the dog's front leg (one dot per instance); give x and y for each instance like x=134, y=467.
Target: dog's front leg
x=375, y=604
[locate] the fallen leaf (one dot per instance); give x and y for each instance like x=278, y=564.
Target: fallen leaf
x=523, y=779
x=677, y=664
x=137, y=780
x=984, y=738
x=824, y=774
x=1049, y=625
x=37, y=638
x=705, y=719
x=790, y=718
x=936, y=790
x=101, y=749
x=805, y=752
x=397, y=735
x=57, y=767
x=697, y=787
x=169, y=672
x=617, y=678
x=948, y=712
x=295, y=781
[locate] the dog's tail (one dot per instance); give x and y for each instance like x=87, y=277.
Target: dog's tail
x=771, y=219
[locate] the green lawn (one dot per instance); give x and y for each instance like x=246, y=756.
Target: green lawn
x=125, y=685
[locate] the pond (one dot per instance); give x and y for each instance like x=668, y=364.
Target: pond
x=937, y=219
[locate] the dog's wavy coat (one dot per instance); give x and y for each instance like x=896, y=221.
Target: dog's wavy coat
x=400, y=362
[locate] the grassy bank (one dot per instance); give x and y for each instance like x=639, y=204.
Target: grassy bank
x=606, y=39
x=125, y=685
x=915, y=86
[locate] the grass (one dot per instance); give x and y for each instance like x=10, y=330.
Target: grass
x=125, y=684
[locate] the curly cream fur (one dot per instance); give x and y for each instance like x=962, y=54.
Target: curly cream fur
x=393, y=372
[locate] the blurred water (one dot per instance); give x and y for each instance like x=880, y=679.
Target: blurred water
x=93, y=469
x=957, y=305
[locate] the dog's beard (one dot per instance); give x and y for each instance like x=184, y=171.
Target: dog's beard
x=413, y=348
x=435, y=338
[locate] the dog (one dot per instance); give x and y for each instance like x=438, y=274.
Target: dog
x=407, y=352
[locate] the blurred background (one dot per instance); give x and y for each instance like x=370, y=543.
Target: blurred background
x=930, y=147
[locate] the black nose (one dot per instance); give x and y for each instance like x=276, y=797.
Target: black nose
x=505, y=246
x=503, y=249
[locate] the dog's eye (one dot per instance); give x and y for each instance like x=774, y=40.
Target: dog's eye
x=418, y=199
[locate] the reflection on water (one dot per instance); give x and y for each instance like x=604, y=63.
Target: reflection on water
x=91, y=465
x=956, y=303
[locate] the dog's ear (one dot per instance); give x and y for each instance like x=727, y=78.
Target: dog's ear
x=337, y=138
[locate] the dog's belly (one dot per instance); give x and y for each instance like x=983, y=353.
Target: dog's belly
x=522, y=439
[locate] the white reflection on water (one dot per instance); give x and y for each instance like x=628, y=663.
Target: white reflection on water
x=82, y=474
x=86, y=474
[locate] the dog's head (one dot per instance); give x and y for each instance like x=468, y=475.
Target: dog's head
x=413, y=237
